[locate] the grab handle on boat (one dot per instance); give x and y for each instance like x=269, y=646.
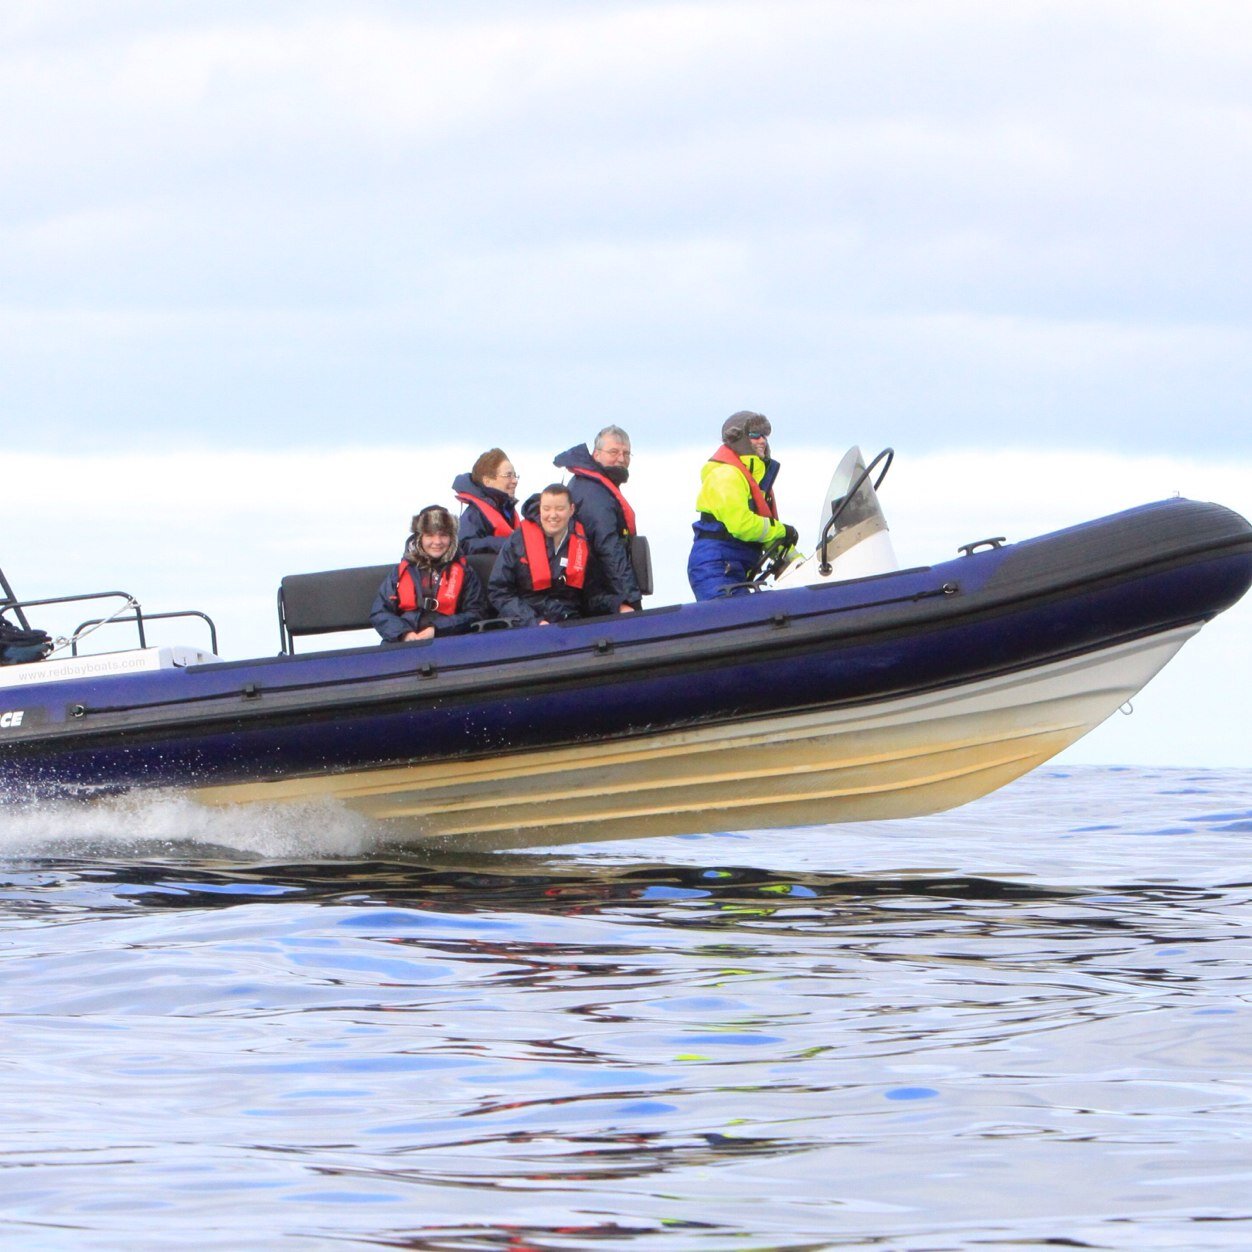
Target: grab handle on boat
x=968, y=549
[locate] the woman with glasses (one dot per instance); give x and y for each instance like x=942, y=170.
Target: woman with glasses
x=489, y=494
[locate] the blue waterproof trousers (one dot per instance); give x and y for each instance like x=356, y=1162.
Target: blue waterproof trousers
x=718, y=563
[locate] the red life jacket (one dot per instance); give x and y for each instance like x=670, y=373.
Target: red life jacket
x=537, y=556
x=627, y=512
x=446, y=597
x=763, y=505
x=499, y=523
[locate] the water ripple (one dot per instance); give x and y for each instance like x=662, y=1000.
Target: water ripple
x=862, y=1037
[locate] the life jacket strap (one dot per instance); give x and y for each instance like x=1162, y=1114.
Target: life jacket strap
x=627, y=512
x=762, y=504
x=501, y=527
x=447, y=594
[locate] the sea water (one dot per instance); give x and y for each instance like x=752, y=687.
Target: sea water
x=1023, y=1023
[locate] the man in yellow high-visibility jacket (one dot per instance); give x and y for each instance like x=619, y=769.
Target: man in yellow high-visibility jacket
x=738, y=513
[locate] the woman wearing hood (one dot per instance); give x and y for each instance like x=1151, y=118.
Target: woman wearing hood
x=738, y=513
x=490, y=513
x=595, y=486
x=433, y=591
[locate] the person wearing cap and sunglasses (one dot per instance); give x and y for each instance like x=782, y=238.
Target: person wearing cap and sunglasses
x=433, y=591
x=489, y=496
x=738, y=512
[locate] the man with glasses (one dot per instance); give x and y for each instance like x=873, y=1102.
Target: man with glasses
x=738, y=513
x=595, y=485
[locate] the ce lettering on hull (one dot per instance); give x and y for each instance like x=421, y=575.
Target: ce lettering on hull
x=12, y=719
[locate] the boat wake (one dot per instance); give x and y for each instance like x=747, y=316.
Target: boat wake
x=156, y=823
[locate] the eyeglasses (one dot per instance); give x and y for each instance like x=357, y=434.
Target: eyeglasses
x=509, y=475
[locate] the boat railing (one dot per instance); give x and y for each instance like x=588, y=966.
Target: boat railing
x=10, y=602
x=140, y=618
x=130, y=610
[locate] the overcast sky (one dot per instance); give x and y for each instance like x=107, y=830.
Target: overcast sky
x=1010, y=239
x=929, y=223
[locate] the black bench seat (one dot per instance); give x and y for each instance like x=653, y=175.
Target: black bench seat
x=338, y=600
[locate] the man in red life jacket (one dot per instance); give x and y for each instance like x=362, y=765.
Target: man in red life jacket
x=595, y=486
x=738, y=513
x=546, y=571
x=432, y=591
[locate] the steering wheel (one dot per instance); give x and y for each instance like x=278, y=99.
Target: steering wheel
x=772, y=563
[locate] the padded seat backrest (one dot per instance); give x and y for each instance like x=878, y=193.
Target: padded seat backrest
x=641, y=559
x=333, y=600
x=482, y=563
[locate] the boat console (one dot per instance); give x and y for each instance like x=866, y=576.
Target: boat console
x=853, y=540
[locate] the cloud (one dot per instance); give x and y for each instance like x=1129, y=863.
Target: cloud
x=959, y=219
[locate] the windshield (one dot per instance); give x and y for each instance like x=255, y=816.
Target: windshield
x=859, y=516
x=864, y=504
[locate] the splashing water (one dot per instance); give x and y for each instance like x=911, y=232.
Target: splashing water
x=167, y=822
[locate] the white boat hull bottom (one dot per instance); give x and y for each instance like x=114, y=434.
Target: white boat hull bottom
x=897, y=758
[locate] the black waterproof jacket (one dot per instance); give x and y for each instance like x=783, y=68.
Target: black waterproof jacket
x=514, y=598
x=476, y=533
x=393, y=625
x=605, y=524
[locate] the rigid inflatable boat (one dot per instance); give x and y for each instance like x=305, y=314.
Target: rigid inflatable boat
x=831, y=693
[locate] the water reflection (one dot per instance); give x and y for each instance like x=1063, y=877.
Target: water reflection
x=494, y=884
x=727, y=897
x=543, y=1052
